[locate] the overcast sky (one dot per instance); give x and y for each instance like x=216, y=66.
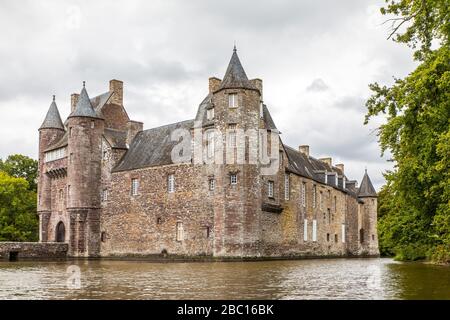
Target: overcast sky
x=316, y=59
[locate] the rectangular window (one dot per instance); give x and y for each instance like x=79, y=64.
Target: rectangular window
x=321, y=200
x=233, y=100
x=304, y=194
x=335, y=238
x=343, y=233
x=180, y=231
x=328, y=237
x=287, y=190
x=134, y=187
x=212, y=184
x=314, y=195
x=270, y=189
x=92, y=124
x=314, y=230
x=210, y=114
x=232, y=139
x=335, y=204
x=233, y=179
x=305, y=230
x=171, y=183
x=210, y=143
x=68, y=192
x=105, y=195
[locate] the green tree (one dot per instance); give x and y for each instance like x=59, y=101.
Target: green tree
x=414, y=204
x=21, y=166
x=18, y=218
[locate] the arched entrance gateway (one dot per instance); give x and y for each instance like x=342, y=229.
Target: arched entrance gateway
x=60, y=232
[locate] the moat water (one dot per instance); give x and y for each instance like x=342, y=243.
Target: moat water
x=300, y=279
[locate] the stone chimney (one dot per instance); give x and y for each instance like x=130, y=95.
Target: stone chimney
x=304, y=149
x=258, y=84
x=73, y=101
x=327, y=160
x=133, y=127
x=340, y=166
x=214, y=84
x=116, y=86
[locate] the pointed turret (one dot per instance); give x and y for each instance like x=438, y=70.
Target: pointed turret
x=84, y=107
x=52, y=119
x=366, y=189
x=235, y=76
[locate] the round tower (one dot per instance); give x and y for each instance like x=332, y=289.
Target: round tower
x=50, y=132
x=368, y=236
x=233, y=112
x=85, y=129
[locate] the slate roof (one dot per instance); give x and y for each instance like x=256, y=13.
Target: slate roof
x=235, y=76
x=99, y=101
x=310, y=167
x=366, y=188
x=268, y=121
x=59, y=144
x=151, y=147
x=52, y=119
x=84, y=106
x=117, y=139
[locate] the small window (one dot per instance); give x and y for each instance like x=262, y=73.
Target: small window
x=287, y=190
x=314, y=230
x=103, y=236
x=336, y=238
x=270, y=189
x=105, y=155
x=70, y=132
x=207, y=232
x=232, y=138
x=68, y=192
x=134, y=187
x=335, y=204
x=314, y=195
x=171, y=183
x=158, y=220
x=321, y=200
x=304, y=194
x=92, y=124
x=210, y=143
x=305, y=230
x=210, y=114
x=233, y=179
x=373, y=237
x=105, y=195
x=233, y=100
x=212, y=184
x=328, y=237
x=180, y=231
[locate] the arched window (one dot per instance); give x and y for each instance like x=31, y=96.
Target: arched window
x=60, y=232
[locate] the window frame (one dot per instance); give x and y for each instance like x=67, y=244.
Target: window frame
x=233, y=99
x=170, y=183
x=270, y=189
x=233, y=179
x=134, y=186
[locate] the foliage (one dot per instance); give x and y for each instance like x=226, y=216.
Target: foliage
x=18, y=219
x=21, y=166
x=414, y=216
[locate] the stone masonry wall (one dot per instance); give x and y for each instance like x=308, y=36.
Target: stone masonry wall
x=32, y=250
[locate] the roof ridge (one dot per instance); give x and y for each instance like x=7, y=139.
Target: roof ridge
x=169, y=124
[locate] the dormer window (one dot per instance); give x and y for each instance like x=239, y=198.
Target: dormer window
x=233, y=100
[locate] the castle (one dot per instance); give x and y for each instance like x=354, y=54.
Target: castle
x=193, y=188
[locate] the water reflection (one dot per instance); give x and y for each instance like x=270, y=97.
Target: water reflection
x=303, y=279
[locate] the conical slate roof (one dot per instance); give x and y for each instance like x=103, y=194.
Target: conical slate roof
x=52, y=119
x=235, y=76
x=84, y=107
x=366, y=189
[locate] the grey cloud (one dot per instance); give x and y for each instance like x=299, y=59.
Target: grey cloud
x=317, y=85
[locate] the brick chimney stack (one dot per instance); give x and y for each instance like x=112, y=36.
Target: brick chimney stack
x=73, y=101
x=340, y=166
x=116, y=86
x=214, y=84
x=304, y=149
